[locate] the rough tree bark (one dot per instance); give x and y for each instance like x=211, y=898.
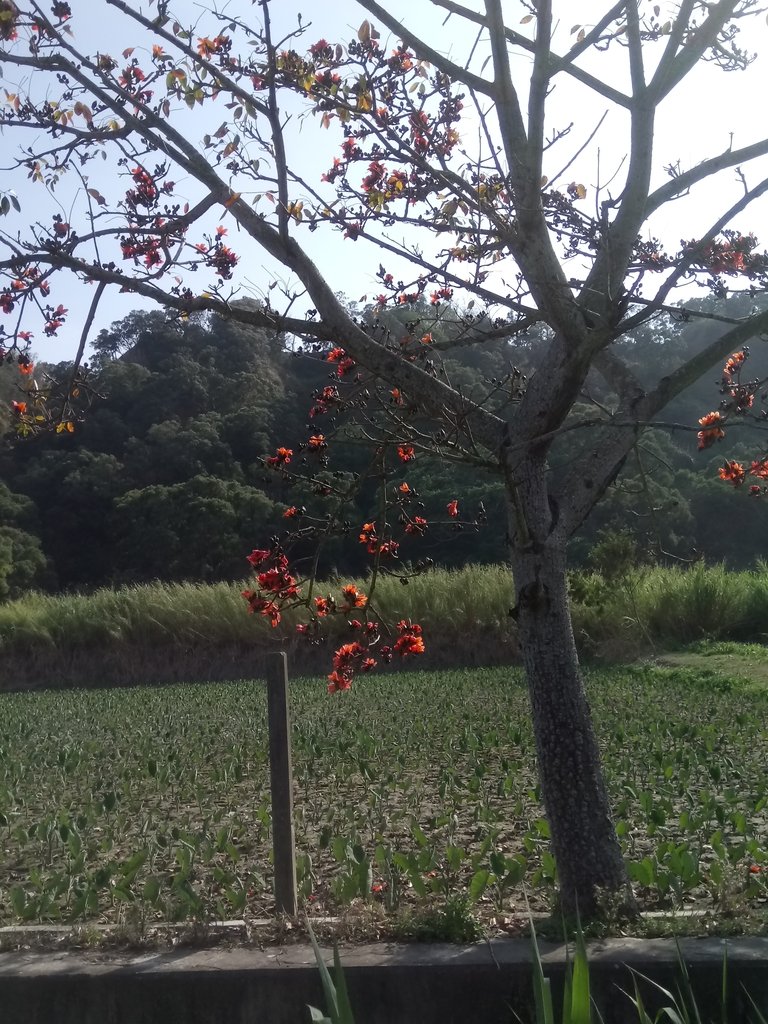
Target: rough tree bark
x=589, y=860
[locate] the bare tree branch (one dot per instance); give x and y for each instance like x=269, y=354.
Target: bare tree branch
x=680, y=183
x=592, y=473
x=672, y=70
x=427, y=52
x=557, y=64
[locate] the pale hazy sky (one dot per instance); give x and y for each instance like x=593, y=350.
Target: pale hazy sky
x=710, y=110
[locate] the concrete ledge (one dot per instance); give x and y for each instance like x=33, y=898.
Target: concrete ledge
x=389, y=984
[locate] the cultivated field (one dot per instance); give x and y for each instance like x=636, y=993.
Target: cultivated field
x=414, y=791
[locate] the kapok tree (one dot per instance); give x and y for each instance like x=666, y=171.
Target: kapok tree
x=452, y=178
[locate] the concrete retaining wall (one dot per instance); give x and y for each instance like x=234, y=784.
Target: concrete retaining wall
x=483, y=984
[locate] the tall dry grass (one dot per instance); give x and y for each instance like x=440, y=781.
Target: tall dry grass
x=182, y=631
x=670, y=606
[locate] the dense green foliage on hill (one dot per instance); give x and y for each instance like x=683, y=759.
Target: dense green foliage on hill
x=165, y=479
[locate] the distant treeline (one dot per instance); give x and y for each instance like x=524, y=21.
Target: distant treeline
x=165, y=479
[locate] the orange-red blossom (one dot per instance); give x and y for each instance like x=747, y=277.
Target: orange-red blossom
x=348, y=659
x=281, y=458
x=263, y=605
x=369, y=538
x=733, y=472
x=345, y=364
x=410, y=640
x=353, y=598
x=417, y=525
x=713, y=429
x=734, y=363
x=354, y=657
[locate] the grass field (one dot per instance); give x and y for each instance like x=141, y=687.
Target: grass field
x=413, y=792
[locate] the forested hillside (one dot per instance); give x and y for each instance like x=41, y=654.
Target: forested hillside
x=165, y=478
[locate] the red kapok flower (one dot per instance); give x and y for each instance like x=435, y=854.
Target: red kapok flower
x=367, y=533
x=291, y=512
x=410, y=640
x=409, y=644
x=733, y=472
x=759, y=468
x=453, y=508
x=278, y=581
x=258, y=556
x=262, y=605
x=317, y=443
x=416, y=526
x=713, y=431
x=346, y=655
x=346, y=661
x=353, y=598
x=406, y=452
x=339, y=681
x=207, y=47
x=734, y=363
x=281, y=457
x=223, y=260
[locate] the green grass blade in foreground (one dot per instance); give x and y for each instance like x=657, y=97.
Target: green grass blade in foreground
x=336, y=996
x=724, y=987
x=643, y=1017
x=542, y=989
x=687, y=1003
x=567, y=991
x=760, y=1017
x=580, y=1006
x=318, y=1017
x=676, y=1011
x=342, y=995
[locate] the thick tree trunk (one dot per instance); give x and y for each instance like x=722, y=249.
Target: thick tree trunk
x=590, y=867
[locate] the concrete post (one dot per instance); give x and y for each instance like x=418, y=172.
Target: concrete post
x=281, y=777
